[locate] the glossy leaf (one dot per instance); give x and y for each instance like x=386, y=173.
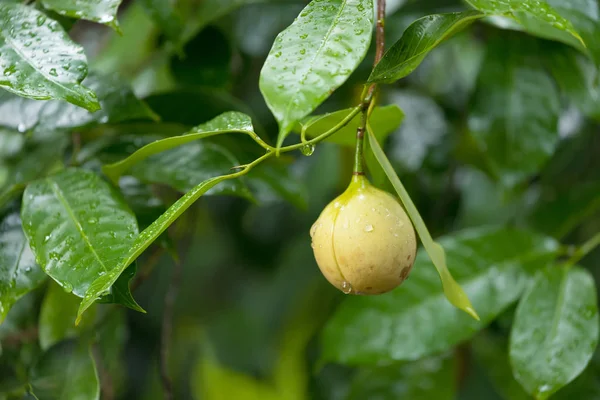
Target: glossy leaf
x=66, y=371
x=536, y=17
x=102, y=284
x=19, y=274
x=104, y=12
x=555, y=331
x=586, y=386
x=57, y=317
x=234, y=122
x=514, y=118
x=38, y=59
x=418, y=40
x=17, y=112
x=385, y=120
x=415, y=320
x=113, y=336
x=313, y=57
x=78, y=227
x=425, y=379
x=452, y=290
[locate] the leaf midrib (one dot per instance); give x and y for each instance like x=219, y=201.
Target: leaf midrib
x=59, y=195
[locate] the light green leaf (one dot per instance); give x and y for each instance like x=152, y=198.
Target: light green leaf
x=234, y=122
x=555, y=332
x=386, y=119
x=536, y=17
x=102, y=284
x=313, y=57
x=452, y=290
x=66, y=371
x=418, y=40
x=78, y=227
x=19, y=274
x=415, y=320
x=425, y=379
x=57, y=317
x=38, y=59
x=104, y=11
x=514, y=117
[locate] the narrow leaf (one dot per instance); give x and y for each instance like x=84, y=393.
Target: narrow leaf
x=66, y=371
x=224, y=123
x=104, y=11
x=38, y=59
x=19, y=274
x=555, y=331
x=313, y=57
x=452, y=290
x=102, y=284
x=418, y=40
x=416, y=321
x=386, y=119
x=78, y=227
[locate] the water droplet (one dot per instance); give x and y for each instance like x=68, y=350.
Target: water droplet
x=369, y=228
x=46, y=238
x=302, y=51
x=40, y=20
x=53, y=72
x=313, y=230
x=54, y=256
x=27, y=269
x=10, y=70
x=307, y=149
x=21, y=127
x=92, y=220
x=278, y=54
x=346, y=287
x=67, y=287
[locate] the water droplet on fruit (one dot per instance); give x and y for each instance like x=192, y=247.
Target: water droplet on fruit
x=369, y=228
x=346, y=287
x=307, y=149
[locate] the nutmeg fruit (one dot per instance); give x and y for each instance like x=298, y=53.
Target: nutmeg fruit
x=363, y=241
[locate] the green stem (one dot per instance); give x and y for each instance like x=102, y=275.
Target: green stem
x=359, y=161
x=584, y=249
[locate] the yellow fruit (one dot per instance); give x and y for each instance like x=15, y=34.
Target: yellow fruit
x=363, y=241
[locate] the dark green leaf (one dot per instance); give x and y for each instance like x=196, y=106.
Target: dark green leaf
x=19, y=274
x=38, y=60
x=66, y=371
x=313, y=57
x=555, y=332
x=57, y=317
x=272, y=181
x=112, y=340
x=78, y=227
x=426, y=379
x=576, y=77
x=383, y=119
x=536, y=17
x=104, y=11
x=514, y=117
x=586, y=386
x=102, y=285
x=167, y=17
x=416, y=320
x=120, y=292
x=418, y=40
x=143, y=202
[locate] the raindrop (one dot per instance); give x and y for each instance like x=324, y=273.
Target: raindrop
x=369, y=228
x=46, y=238
x=92, y=220
x=68, y=287
x=53, y=72
x=346, y=287
x=307, y=149
x=28, y=269
x=40, y=20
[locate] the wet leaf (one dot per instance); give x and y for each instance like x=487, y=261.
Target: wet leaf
x=104, y=11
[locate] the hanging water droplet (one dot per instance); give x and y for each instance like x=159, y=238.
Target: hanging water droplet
x=67, y=287
x=307, y=149
x=346, y=287
x=369, y=228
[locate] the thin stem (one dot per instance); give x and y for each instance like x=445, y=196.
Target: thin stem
x=585, y=249
x=359, y=167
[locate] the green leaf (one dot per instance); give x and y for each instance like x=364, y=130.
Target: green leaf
x=313, y=57
x=576, y=77
x=166, y=17
x=233, y=122
x=38, y=59
x=416, y=321
x=386, y=119
x=104, y=12
x=120, y=292
x=18, y=112
x=112, y=341
x=586, y=386
x=273, y=181
x=57, y=317
x=536, y=17
x=102, y=285
x=452, y=290
x=514, y=117
x=78, y=227
x=19, y=274
x=66, y=371
x=418, y=40
x=555, y=331
x=426, y=379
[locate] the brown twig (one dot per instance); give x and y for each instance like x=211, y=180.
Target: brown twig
x=167, y=329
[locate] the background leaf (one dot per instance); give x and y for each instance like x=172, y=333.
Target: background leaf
x=418, y=40
x=313, y=57
x=78, y=227
x=19, y=274
x=104, y=12
x=39, y=60
x=555, y=331
x=416, y=320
